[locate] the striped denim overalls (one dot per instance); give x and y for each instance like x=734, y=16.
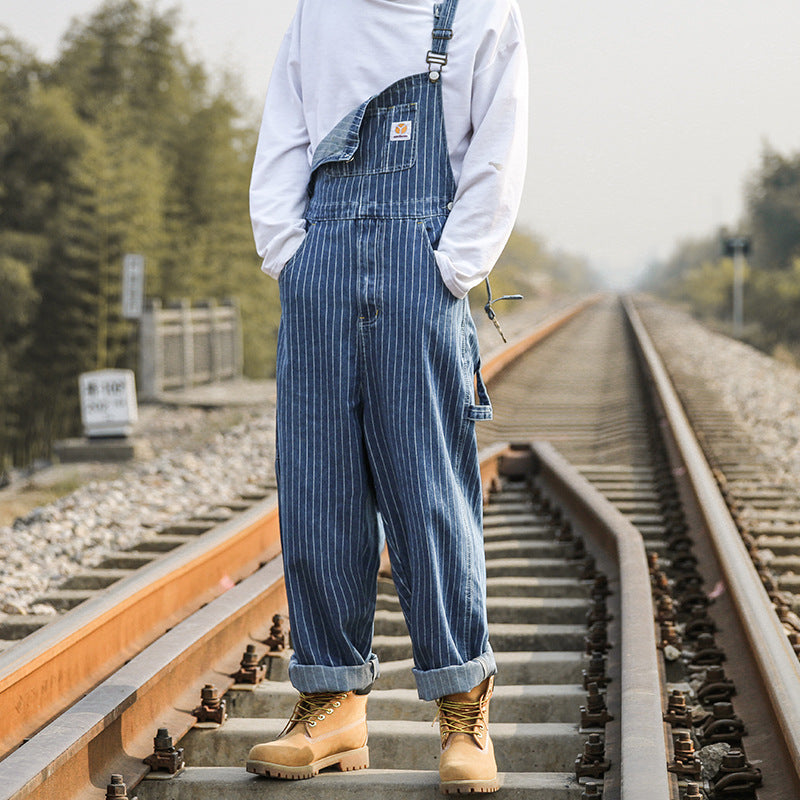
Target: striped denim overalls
x=377, y=363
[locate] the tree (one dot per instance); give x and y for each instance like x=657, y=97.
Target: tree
x=773, y=202
x=19, y=298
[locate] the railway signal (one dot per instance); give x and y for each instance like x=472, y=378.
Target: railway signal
x=737, y=248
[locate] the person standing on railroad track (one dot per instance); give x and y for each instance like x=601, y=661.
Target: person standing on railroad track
x=386, y=182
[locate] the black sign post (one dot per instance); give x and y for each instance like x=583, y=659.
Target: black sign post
x=737, y=248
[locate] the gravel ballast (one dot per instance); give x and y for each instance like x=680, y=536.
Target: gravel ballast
x=761, y=394
x=196, y=468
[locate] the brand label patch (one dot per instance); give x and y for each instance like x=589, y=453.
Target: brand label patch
x=400, y=131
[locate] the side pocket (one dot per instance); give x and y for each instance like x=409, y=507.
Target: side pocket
x=482, y=410
x=478, y=406
x=287, y=267
x=432, y=232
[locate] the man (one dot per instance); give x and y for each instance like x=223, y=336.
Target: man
x=386, y=182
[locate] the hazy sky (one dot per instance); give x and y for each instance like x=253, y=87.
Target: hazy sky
x=646, y=118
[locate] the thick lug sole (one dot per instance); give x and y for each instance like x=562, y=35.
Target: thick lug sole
x=469, y=787
x=347, y=762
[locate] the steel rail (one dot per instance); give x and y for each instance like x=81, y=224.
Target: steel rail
x=111, y=729
x=643, y=733
x=495, y=365
x=59, y=663
x=777, y=662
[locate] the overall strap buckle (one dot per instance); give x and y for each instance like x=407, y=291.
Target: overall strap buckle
x=442, y=34
x=435, y=63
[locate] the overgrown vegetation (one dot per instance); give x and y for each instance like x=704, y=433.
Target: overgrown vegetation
x=700, y=277
x=124, y=144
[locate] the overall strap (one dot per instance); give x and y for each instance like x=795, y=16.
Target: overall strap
x=442, y=34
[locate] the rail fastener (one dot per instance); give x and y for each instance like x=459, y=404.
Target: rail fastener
x=588, y=569
x=678, y=714
x=597, y=639
x=596, y=672
x=693, y=791
x=278, y=639
x=213, y=707
x=591, y=791
x=165, y=756
x=685, y=762
x=736, y=776
x=251, y=670
x=706, y=653
x=722, y=725
x=592, y=763
x=117, y=789
x=595, y=713
x=716, y=686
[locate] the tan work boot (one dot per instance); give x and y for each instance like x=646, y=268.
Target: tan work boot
x=325, y=729
x=467, y=763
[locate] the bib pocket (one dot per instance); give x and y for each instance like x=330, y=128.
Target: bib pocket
x=387, y=142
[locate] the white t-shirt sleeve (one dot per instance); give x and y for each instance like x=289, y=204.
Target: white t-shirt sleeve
x=492, y=176
x=281, y=169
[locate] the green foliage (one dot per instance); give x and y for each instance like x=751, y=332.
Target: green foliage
x=709, y=288
x=697, y=275
x=773, y=201
x=19, y=299
x=119, y=146
x=773, y=306
x=123, y=144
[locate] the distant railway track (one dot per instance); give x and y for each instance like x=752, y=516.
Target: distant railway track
x=620, y=498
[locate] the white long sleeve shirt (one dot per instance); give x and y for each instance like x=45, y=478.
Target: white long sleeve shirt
x=338, y=53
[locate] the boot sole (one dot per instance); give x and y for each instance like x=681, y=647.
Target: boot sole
x=469, y=787
x=347, y=762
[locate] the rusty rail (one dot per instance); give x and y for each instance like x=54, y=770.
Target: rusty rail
x=60, y=662
x=777, y=662
x=495, y=365
x=643, y=732
x=111, y=729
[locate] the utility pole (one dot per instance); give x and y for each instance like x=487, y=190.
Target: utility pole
x=737, y=247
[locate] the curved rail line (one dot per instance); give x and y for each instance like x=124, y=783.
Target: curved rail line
x=778, y=664
x=60, y=662
x=110, y=730
x=551, y=526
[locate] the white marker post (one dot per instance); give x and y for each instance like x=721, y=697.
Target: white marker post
x=108, y=403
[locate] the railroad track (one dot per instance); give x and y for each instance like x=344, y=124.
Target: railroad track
x=601, y=506
x=764, y=502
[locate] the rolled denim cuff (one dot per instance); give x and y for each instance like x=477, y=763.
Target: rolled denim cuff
x=434, y=683
x=313, y=678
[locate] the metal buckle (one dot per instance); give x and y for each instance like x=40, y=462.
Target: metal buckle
x=435, y=63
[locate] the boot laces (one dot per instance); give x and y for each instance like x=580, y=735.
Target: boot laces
x=314, y=707
x=462, y=717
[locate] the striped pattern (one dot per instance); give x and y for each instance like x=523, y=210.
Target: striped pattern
x=376, y=363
